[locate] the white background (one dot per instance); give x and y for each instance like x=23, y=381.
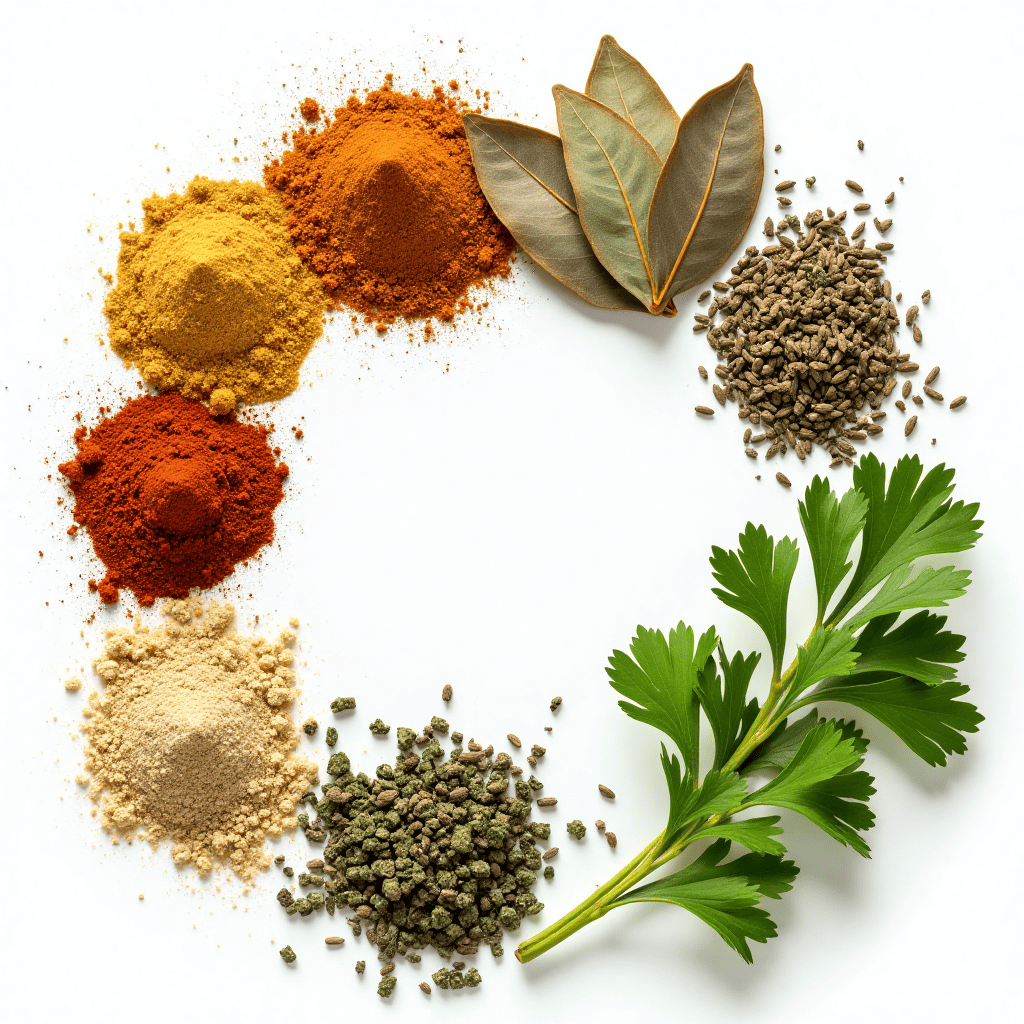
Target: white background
x=499, y=509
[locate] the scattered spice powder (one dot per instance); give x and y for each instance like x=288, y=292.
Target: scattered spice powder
x=211, y=299
x=192, y=740
x=172, y=497
x=385, y=207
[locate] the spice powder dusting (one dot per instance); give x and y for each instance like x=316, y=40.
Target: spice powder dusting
x=384, y=205
x=211, y=299
x=192, y=741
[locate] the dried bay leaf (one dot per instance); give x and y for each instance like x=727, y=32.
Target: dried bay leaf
x=709, y=186
x=522, y=173
x=621, y=82
x=613, y=170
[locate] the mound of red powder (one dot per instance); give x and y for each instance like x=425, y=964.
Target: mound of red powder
x=172, y=497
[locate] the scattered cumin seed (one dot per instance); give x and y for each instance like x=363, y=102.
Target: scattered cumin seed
x=918, y=336
x=599, y=825
x=862, y=208
x=547, y=801
x=751, y=453
x=784, y=186
x=907, y=367
x=612, y=839
x=514, y=740
x=918, y=400
x=549, y=854
x=605, y=791
x=703, y=410
x=853, y=186
x=446, y=693
x=881, y=226
x=703, y=373
x=884, y=246
x=900, y=405
x=720, y=286
x=768, y=228
x=860, y=145
x=908, y=429
x=957, y=402
x=926, y=296
x=424, y=987
x=932, y=393
x=387, y=969
x=705, y=295
x=777, y=147
x=785, y=201
x=907, y=388
x=858, y=230
x=337, y=940
x=889, y=198
x=783, y=479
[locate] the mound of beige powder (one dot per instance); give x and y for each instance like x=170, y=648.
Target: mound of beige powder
x=192, y=741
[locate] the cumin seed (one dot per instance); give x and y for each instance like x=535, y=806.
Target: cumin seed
x=853, y=186
x=889, y=198
x=605, y=791
x=703, y=410
x=932, y=393
x=784, y=186
x=783, y=479
x=909, y=428
x=957, y=402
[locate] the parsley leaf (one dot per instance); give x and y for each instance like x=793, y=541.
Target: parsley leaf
x=721, y=793
x=726, y=706
x=724, y=896
x=756, y=582
x=829, y=652
x=930, y=588
x=779, y=749
x=912, y=518
x=661, y=679
x=756, y=834
x=929, y=719
x=821, y=784
x=831, y=526
x=915, y=648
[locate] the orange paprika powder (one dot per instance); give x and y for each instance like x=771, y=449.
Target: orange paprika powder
x=383, y=203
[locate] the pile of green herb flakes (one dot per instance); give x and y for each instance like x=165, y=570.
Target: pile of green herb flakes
x=434, y=851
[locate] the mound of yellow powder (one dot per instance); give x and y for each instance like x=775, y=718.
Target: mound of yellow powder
x=191, y=740
x=212, y=298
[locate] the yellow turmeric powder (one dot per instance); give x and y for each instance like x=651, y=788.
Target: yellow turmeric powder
x=211, y=298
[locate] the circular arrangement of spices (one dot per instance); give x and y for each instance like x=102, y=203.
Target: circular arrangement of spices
x=384, y=205
x=172, y=497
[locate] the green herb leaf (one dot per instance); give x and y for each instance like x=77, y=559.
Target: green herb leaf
x=780, y=748
x=724, y=896
x=756, y=582
x=756, y=834
x=661, y=679
x=821, y=784
x=709, y=187
x=522, y=173
x=613, y=170
x=929, y=719
x=726, y=707
x=721, y=793
x=621, y=82
x=829, y=652
x=930, y=588
x=831, y=526
x=910, y=519
x=918, y=648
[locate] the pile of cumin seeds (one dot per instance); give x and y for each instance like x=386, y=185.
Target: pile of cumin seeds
x=806, y=343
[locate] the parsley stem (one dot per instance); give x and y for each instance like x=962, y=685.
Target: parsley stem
x=596, y=905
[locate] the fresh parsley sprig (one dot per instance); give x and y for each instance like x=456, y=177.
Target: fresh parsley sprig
x=859, y=652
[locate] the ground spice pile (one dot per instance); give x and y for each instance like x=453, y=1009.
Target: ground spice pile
x=384, y=205
x=211, y=299
x=807, y=338
x=192, y=741
x=434, y=851
x=172, y=497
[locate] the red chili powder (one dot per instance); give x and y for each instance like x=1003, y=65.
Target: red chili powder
x=172, y=497
x=383, y=203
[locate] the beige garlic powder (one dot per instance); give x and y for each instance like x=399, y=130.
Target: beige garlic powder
x=191, y=739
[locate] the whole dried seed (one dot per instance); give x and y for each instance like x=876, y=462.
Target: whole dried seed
x=703, y=373
x=918, y=336
x=932, y=374
x=860, y=145
x=704, y=410
x=424, y=987
x=514, y=740
x=334, y=940
x=783, y=479
x=907, y=388
x=862, y=208
x=957, y=402
x=889, y=198
x=853, y=186
x=932, y=393
x=605, y=791
x=909, y=428
x=705, y=295
x=785, y=201
x=599, y=825
x=810, y=181
x=806, y=336
x=547, y=801
x=612, y=839
x=446, y=693
x=918, y=400
x=549, y=854
x=784, y=186
x=900, y=405
x=912, y=315
x=926, y=296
